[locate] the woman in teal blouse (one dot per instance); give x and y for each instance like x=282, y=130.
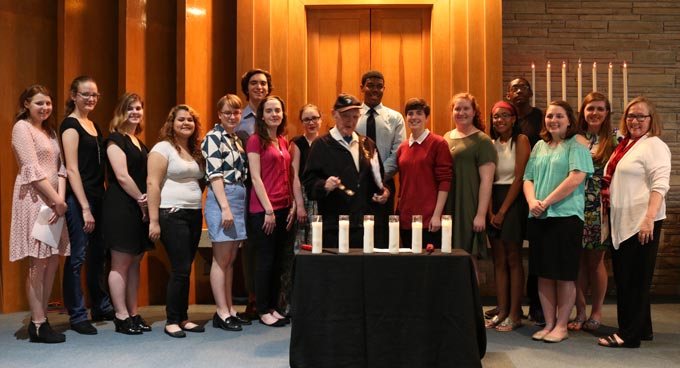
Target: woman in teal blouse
x=554, y=189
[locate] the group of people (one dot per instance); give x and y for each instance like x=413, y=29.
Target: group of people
x=587, y=187
x=546, y=178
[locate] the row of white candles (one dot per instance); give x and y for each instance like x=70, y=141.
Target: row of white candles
x=579, y=81
x=369, y=228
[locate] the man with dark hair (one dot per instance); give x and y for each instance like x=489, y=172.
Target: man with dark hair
x=256, y=84
x=386, y=128
x=530, y=120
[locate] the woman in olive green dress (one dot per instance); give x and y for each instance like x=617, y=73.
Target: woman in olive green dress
x=474, y=164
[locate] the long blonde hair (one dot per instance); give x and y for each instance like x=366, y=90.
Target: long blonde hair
x=120, y=114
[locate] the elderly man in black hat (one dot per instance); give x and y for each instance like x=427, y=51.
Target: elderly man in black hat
x=344, y=175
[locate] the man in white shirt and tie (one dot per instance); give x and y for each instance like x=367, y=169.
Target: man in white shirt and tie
x=386, y=128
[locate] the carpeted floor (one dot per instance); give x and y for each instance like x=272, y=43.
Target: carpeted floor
x=261, y=346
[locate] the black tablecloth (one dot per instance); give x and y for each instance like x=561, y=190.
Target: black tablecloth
x=384, y=310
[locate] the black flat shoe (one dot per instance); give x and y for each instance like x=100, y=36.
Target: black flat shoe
x=285, y=319
x=197, y=328
x=84, y=328
x=243, y=319
x=44, y=334
x=278, y=323
x=126, y=326
x=105, y=316
x=141, y=323
x=176, y=334
x=229, y=324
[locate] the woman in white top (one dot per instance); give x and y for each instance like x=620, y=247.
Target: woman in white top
x=175, y=192
x=508, y=215
x=636, y=180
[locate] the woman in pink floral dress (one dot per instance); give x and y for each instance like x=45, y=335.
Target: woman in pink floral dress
x=41, y=181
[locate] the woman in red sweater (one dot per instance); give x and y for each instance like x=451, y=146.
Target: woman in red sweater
x=425, y=174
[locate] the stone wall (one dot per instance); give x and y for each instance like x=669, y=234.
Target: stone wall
x=646, y=34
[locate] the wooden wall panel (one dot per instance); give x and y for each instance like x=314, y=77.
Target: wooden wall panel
x=441, y=72
x=461, y=37
x=279, y=57
x=132, y=47
x=494, y=52
x=224, y=56
x=160, y=69
x=476, y=46
x=28, y=30
x=400, y=46
x=88, y=45
x=297, y=70
x=334, y=34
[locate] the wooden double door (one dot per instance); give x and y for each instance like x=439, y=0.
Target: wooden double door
x=342, y=44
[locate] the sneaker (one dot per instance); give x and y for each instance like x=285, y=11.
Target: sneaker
x=84, y=328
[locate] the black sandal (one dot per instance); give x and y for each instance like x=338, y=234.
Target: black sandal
x=612, y=343
x=491, y=312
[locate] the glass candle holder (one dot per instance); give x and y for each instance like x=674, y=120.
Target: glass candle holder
x=369, y=227
x=447, y=233
x=393, y=242
x=343, y=234
x=417, y=234
x=317, y=234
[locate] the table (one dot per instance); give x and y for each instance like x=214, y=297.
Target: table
x=386, y=310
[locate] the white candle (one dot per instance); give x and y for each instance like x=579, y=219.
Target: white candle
x=625, y=84
x=447, y=232
x=417, y=234
x=579, y=85
x=317, y=236
x=393, y=242
x=343, y=234
x=369, y=227
x=610, y=83
x=533, y=83
x=564, y=81
x=547, y=83
x=594, y=76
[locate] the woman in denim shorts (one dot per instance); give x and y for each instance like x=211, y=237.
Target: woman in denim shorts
x=225, y=207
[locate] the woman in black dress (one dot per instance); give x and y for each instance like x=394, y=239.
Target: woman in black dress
x=125, y=218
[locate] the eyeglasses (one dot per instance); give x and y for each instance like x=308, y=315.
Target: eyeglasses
x=519, y=87
x=231, y=113
x=310, y=120
x=87, y=95
x=640, y=118
x=504, y=115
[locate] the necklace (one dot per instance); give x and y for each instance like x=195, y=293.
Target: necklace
x=99, y=152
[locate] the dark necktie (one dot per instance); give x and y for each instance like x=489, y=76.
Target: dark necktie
x=370, y=125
